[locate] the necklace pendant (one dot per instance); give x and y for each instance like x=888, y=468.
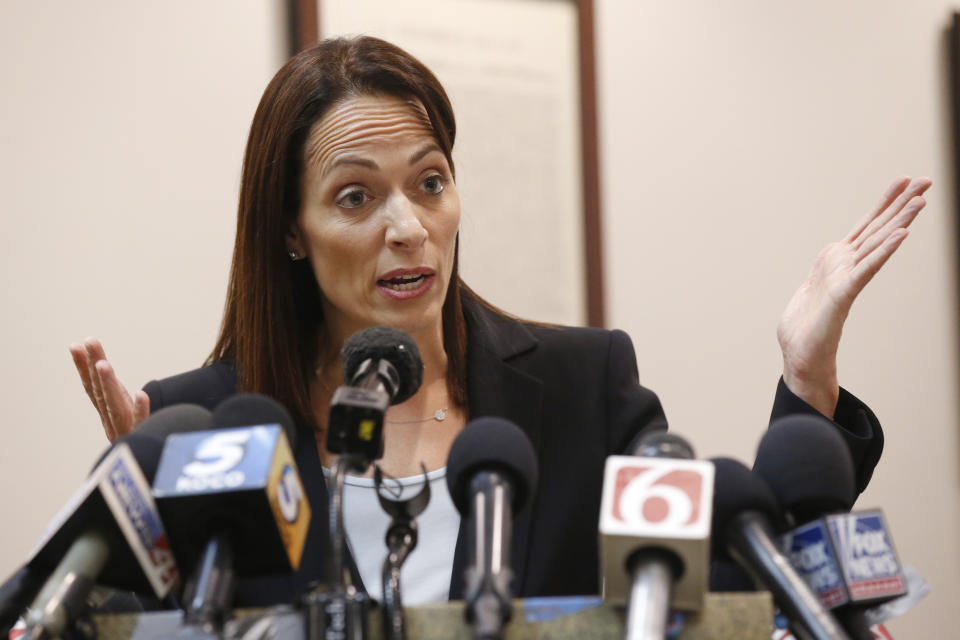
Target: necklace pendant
x=440, y=415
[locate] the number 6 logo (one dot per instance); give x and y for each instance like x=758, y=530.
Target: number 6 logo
x=658, y=497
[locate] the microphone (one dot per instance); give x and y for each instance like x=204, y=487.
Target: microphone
x=808, y=466
x=655, y=531
x=491, y=476
x=381, y=367
x=110, y=531
x=233, y=502
x=847, y=559
x=743, y=508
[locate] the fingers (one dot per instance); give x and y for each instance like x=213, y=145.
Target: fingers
x=870, y=265
x=885, y=220
x=119, y=412
x=93, y=353
x=901, y=221
x=886, y=200
x=119, y=404
x=79, y=355
x=141, y=408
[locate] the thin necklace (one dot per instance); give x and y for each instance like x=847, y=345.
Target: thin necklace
x=439, y=415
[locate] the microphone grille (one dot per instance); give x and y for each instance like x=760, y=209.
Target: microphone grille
x=737, y=489
x=807, y=465
x=491, y=444
x=385, y=343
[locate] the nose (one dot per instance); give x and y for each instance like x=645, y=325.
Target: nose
x=404, y=229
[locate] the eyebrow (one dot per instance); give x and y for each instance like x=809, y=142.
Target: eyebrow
x=419, y=155
x=370, y=164
x=363, y=162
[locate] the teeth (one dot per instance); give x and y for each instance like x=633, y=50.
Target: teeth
x=404, y=283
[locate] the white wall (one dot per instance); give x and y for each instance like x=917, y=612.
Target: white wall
x=738, y=138
x=122, y=128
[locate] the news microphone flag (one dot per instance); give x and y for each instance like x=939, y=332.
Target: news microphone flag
x=117, y=495
x=847, y=558
x=246, y=472
x=656, y=502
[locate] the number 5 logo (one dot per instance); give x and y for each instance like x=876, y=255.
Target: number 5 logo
x=218, y=453
x=657, y=497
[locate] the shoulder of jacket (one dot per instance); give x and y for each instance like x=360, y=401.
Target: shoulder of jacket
x=206, y=386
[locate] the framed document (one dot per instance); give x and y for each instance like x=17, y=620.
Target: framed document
x=520, y=75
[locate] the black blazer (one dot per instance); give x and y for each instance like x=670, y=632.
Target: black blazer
x=576, y=394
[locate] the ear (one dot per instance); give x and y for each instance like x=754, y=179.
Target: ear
x=294, y=240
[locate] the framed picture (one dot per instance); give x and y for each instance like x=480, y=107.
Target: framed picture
x=520, y=75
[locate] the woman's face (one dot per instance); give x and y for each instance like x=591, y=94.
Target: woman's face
x=379, y=216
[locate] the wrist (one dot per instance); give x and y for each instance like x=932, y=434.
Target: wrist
x=821, y=391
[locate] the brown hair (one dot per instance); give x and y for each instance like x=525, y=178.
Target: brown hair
x=273, y=313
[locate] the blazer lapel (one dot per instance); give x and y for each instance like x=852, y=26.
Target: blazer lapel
x=495, y=387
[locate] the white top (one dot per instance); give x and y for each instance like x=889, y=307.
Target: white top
x=425, y=576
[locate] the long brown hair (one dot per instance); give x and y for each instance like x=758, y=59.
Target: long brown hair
x=273, y=314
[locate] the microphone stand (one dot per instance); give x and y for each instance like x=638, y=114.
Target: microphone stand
x=340, y=610
x=401, y=540
x=648, y=610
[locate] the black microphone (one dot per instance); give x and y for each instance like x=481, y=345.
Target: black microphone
x=491, y=475
x=743, y=509
x=381, y=367
x=847, y=559
x=808, y=466
x=233, y=502
x=110, y=532
x=655, y=531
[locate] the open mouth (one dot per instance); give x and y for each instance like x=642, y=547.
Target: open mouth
x=403, y=283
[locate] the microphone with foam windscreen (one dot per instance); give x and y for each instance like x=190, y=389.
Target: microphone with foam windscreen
x=655, y=531
x=233, y=502
x=110, y=532
x=492, y=476
x=744, y=510
x=807, y=465
x=847, y=559
x=381, y=367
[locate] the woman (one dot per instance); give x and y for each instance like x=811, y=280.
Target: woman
x=348, y=218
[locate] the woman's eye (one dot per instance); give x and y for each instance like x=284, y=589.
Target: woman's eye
x=432, y=184
x=352, y=199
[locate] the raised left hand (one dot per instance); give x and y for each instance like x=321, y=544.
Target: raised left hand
x=811, y=325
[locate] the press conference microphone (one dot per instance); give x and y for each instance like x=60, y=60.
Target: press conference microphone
x=808, y=466
x=847, y=559
x=110, y=531
x=743, y=508
x=381, y=367
x=655, y=531
x=233, y=502
x=491, y=476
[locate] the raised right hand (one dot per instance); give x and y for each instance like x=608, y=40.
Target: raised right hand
x=119, y=411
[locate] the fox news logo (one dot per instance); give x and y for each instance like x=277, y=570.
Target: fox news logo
x=657, y=497
x=812, y=556
x=867, y=556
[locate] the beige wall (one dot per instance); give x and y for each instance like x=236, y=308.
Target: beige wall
x=738, y=138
